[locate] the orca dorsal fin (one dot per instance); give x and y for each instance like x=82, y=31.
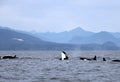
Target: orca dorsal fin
x=94, y=58
x=14, y=56
x=104, y=59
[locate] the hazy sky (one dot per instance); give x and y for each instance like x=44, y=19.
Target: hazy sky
x=60, y=15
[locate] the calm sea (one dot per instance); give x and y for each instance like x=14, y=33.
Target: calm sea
x=45, y=66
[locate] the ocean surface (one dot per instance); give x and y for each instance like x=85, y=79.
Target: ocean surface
x=45, y=66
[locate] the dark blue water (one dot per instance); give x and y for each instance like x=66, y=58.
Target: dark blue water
x=45, y=66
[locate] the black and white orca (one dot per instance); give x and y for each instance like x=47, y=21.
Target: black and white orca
x=116, y=60
x=64, y=56
x=85, y=58
x=9, y=57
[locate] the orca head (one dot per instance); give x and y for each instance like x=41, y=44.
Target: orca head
x=64, y=52
x=63, y=55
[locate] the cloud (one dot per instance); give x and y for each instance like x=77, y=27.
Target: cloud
x=59, y=15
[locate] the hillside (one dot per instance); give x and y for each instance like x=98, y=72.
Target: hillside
x=62, y=37
x=16, y=40
x=10, y=39
x=79, y=36
x=98, y=38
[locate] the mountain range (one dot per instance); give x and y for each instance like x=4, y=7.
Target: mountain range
x=80, y=36
x=18, y=40
x=98, y=38
x=76, y=39
x=10, y=39
x=62, y=37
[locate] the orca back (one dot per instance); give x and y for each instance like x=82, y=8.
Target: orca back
x=9, y=57
x=116, y=60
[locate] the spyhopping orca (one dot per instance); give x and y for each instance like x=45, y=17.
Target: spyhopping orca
x=64, y=56
x=116, y=60
x=85, y=58
x=9, y=57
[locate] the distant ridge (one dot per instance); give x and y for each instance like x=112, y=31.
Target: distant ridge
x=12, y=40
x=17, y=40
x=98, y=38
x=80, y=36
x=63, y=37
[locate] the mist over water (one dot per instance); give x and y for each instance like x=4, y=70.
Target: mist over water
x=45, y=66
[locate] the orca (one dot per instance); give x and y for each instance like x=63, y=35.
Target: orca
x=9, y=57
x=116, y=60
x=0, y=57
x=104, y=59
x=64, y=56
x=85, y=58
